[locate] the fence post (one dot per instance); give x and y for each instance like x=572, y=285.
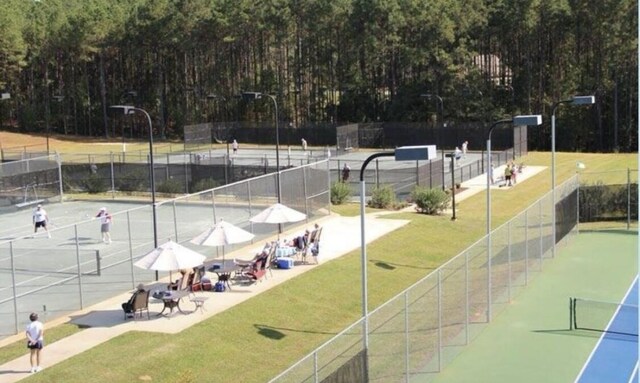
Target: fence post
x=509, y=260
x=213, y=202
x=113, y=182
x=75, y=229
x=466, y=298
x=417, y=173
x=406, y=337
x=541, y=234
x=175, y=221
x=130, y=251
x=578, y=207
x=249, y=202
x=444, y=181
x=377, y=174
x=304, y=189
x=628, y=198
x=59, y=161
x=439, y=319
x=13, y=285
x=329, y=184
x=186, y=177
x=315, y=367
x=526, y=247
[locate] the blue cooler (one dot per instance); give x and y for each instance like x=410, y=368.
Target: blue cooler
x=285, y=263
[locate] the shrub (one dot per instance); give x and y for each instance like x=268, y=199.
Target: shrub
x=132, y=179
x=204, y=184
x=171, y=186
x=340, y=193
x=95, y=184
x=430, y=201
x=382, y=197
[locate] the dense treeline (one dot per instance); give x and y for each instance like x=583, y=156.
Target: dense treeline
x=65, y=61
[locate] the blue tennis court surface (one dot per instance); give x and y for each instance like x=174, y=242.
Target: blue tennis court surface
x=615, y=357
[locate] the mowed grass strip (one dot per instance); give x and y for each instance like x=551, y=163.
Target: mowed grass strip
x=257, y=339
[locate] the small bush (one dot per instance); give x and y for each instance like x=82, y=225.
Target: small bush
x=430, y=201
x=95, y=184
x=382, y=197
x=204, y=184
x=171, y=186
x=340, y=193
x=132, y=179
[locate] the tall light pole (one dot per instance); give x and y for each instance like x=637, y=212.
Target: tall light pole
x=403, y=153
x=440, y=103
x=250, y=96
x=575, y=100
x=3, y=96
x=217, y=97
x=530, y=120
x=127, y=110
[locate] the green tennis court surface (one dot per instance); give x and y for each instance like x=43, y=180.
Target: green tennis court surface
x=530, y=341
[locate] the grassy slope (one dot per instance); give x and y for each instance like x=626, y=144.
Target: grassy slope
x=275, y=329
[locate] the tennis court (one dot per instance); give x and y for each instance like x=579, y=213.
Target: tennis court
x=531, y=340
x=74, y=268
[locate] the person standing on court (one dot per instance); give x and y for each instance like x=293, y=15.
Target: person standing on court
x=40, y=219
x=304, y=144
x=234, y=146
x=105, y=224
x=465, y=146
x=35, y=341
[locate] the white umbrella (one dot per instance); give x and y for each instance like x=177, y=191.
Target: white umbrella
x=221, y=234
x=169, y=257
x=278, y=213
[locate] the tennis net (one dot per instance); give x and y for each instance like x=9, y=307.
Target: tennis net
x=50, y=261
x=610, y=317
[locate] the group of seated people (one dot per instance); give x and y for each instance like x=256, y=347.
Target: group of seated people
x=307, y=242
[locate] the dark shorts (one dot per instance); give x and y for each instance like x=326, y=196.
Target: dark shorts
x=41, y=224
x=35, y=346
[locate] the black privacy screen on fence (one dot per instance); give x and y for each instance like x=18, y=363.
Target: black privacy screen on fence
x=608, y=202
x=566, y=215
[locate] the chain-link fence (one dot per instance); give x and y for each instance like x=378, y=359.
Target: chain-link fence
x=30, y=181
x=74, y=269
x=610, y=196
x=403, y=176
x=420, y=330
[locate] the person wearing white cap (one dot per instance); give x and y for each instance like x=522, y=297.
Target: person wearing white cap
x=105, y=224
x=40, y=219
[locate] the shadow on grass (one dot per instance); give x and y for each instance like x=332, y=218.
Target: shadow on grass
x=392, y=266
x=278, y=332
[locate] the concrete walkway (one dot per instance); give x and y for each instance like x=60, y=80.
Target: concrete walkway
x=105, y=319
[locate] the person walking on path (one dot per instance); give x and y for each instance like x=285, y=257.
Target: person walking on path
x=40, y=219
x=35, y=341
x=346, y=171
x=465, y=146
x=234, y=146
x=507, y=174
x=304, y=144
x=105, y=224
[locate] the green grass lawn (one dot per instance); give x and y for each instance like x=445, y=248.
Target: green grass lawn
x=257, y=339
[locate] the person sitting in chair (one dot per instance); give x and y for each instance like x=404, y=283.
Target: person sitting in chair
x=128, y=306
x=180, y=281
